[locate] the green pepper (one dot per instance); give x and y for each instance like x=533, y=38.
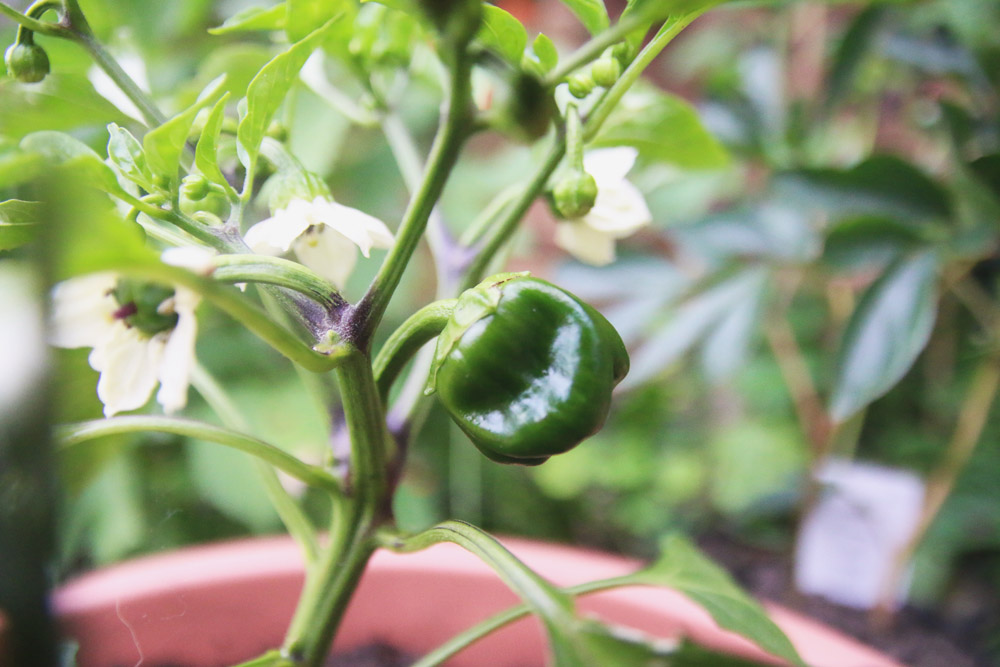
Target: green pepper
x=526, y=369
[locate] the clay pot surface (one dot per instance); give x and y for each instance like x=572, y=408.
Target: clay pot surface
x=225, y=603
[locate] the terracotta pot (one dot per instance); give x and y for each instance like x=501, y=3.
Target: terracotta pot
x=220, y=604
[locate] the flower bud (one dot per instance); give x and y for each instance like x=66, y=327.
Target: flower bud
x=606, y=71
x=199, y=195
x=580, y=84
x=27, y=62
x=574, y=195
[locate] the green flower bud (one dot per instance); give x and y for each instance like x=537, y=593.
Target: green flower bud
x=606, y=71
x=624, y=53
x=27, y=62
x=580, y=84
x=199, y=195
x=574, y=195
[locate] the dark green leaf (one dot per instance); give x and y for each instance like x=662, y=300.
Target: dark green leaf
x=18, y=222
x=253, y=18
x=503, y=33
x=685, y=569
x=127, y=154
x=665, y=129
x=885, y=334
x=853, y=48
x=881, y=185
x=624, y=647
x=858, y=244
x=592, y=14
x=164, y=144
x=987, y=170
x=267, y=91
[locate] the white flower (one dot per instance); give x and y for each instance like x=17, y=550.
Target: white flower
x=85, y=313
x=618, y=211
x=323, y=235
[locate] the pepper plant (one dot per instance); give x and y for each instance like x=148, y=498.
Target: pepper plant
x=137, y=237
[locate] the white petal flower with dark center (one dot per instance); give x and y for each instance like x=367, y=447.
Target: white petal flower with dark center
x=322, y=234
x=619, y=210
x=131, y=355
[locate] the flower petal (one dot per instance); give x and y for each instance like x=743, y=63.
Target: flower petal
x=276, y=234
x=609, y=164
x=178, y=353
x=364, y=230
x=82, y=311
x=197, y=259
x=327, y=252
x=585, y=243
x=619, y=210
x=128, y=363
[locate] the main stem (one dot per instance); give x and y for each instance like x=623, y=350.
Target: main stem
x=331, y=583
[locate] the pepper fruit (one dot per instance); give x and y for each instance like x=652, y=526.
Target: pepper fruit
x=526, y=369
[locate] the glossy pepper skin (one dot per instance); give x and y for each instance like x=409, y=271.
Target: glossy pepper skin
x=526, y=369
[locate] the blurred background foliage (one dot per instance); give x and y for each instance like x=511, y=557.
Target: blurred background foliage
x=821, y=277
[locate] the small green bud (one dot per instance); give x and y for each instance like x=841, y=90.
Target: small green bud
x=26, y=62
x=606, y=71
x=574, y=195
x=580, y=84
x=624, y=53
x=277, y=131
x=199, y=195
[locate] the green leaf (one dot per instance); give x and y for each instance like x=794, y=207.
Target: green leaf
x=61, y=149
x=267, y=91
x=987, y=171
x=544, y=52
x=685, y=569
x=253, y=18
x=856, y=44
x=305, y=16
x=665, y=129
x=881, y=185
x=864, y=242
x=624, y=647
x=18, y=167
x=503, y=33
x=887, y=331
x=18, y=222
x=206, y=157
x=64, y=101
x=127, y=154
x=164, y=144
x=727, y=344
x=592, y=14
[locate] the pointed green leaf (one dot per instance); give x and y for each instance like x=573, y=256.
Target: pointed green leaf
x=856, y=44
x=887, y=331
x=544, y=52
x=267, y=91
x=18, y=222
x=503, y=33
x=206, y=156
x=126, y=153
x=664, y=128
x=253, y=18
x=592, y=14
x=164, y=144
x=685, y=569
x=305, y=16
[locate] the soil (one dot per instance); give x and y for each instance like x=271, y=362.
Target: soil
x=915, y=637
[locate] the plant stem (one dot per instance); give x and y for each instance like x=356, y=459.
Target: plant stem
x=74, y=434
x=277, y=271
x=331, y=583
x=513, y=215
x=444, y=153
x=968, y=429
x=405, y=341
x=34, y=25
x=291, y=515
